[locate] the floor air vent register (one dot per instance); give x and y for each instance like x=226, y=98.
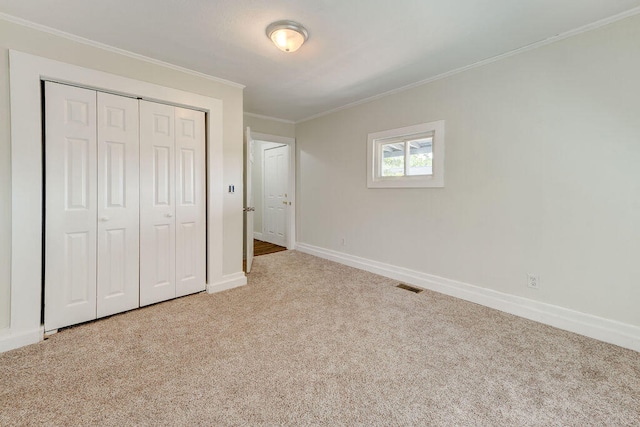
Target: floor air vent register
x=409, y=288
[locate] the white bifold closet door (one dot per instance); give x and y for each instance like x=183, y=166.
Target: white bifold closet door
x=91, y=205
x=118, y=204
x=191, y=234
x=124, y=204
x=172, y=202
x=70, y=205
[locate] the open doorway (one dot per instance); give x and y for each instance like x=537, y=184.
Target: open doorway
x=265, y=248
x=269, y=195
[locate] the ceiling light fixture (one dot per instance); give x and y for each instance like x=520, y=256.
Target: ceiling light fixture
x=288, y=36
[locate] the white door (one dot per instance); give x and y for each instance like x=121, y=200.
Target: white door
x=276, y=178
x=118, y=199
x=157, y=203
x=190, y=202
x=70, y=204
x=249, y=208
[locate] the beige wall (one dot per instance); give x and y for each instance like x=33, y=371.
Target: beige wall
x=39, y=43
x=542, y=176
x=269, y=126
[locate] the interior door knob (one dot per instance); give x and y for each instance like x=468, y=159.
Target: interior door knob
x=104, y=218
x=169, y=215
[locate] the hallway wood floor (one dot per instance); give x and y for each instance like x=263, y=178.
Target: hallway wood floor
x=264, y=248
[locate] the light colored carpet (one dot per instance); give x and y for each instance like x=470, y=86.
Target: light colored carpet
x=311, y=342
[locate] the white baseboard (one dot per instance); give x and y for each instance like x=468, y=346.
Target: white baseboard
x=610, y=331
x=229, y=281
x=9, y=341
x=257, y=235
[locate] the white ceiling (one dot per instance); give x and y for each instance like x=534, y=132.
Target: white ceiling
x=356, y=48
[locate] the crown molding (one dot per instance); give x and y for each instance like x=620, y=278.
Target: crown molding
x=275, y=119
x=88, y=42
x=532, y=46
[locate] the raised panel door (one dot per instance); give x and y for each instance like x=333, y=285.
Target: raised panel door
x=276, y=175
x=118, y=204
x=157, y=203
x=249, y=208
x=281, y=178
x=70, y=205
x=190, y=201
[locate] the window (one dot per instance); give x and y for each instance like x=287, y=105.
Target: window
x=412, y=156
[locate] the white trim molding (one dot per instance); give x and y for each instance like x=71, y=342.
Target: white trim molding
x=275, y=119
x=27, y=72
x=257, y=235
x=10, y=341
x=291, y=214
x=88, y=42
x=610, y=331
x=405, y=135
x=558, y=37
x=228, y=281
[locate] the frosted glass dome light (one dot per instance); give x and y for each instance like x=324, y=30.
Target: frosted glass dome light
x=288, y=36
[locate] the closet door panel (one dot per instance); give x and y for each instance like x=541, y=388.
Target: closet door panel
x=157, y=203
x=118, y=204
x=190, y=202
x=70, y=205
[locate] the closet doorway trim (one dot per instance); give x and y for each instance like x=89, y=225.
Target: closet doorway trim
x=26, y=75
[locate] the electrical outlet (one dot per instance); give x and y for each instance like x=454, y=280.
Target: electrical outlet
x=533, y=281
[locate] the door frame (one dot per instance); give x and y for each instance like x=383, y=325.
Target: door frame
x=263, y=209
x=291, y=184
x=27, y=73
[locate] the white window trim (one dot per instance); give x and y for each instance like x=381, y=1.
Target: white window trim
x=374, y=141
